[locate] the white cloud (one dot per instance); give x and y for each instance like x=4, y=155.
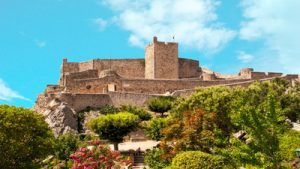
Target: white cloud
x=40, y=43
x=101, y=23
x=245, y=57
x=194, y=23
x=8, y=94
x=276, y=22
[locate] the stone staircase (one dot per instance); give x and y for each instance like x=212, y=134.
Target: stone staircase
x=139, y=162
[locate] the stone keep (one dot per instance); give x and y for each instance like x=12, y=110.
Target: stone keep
x=161, y=60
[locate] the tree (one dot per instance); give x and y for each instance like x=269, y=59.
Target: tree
x=142, y=113
x=25, y=138
x=155, y=127
x=160, y=105
x=263, y=124
x=196, y=130
x=213, y=99
x=114, y=127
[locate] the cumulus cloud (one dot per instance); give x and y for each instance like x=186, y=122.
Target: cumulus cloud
x=101, y=23
x=245, y=57
x=194, y=23
x=276, y=23
x=7, y=94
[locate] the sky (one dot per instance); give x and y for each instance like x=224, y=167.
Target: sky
x=224, y=35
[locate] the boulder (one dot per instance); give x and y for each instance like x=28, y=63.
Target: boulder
x=60, y=117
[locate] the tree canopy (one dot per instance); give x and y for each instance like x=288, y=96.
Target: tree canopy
x=114, y=127
x=25, y=138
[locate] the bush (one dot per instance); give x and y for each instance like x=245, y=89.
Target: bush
x=143, y=114
x=154, y=128
x=196, y=160
x=109, y=109
x=160, y=105
x=25, y=138
x=114, y=127
x=154, y=159
x=65, y=145
x=97, y=156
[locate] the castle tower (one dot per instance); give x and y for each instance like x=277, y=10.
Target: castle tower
x=161, y=60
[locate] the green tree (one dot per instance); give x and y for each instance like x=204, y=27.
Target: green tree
x=263, y=125
x=213, y=99
x=160, y=105
x=114, y=127
x=25, y=138
x=155, y=127
x=196, y=130
x=142, y=113
x=288, y=143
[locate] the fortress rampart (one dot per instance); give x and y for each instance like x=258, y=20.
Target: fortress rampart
x=99, y=82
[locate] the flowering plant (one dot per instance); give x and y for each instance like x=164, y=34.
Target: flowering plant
x=97, y=156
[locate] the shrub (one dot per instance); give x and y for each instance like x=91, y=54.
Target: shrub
x=65, y=145
x=25, y=138
x=142, y=113
x=109, y=109
x=114, y=127
x=154, y=128
x=196, y=160
x=154, y=159
x=97, y=156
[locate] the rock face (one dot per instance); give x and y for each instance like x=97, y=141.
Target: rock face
x=60, y=117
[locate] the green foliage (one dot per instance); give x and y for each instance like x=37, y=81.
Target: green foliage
x=25, y=138
x=196, y=130
x=114, y=127
x=142, y=113
x=288, y=143
x=65, y=145
x=154, y=159
x=290, y=102
x=196, y=160
x=214, y=99
x=154, y=128
x=160, y=105
x=263, y=123
x=109, y=109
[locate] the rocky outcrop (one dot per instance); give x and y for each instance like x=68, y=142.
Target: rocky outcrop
x=60, y=117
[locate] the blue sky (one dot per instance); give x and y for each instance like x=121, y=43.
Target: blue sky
x=224, y=35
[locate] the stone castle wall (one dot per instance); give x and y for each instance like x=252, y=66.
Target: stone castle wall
x=100, y=85
x=131, y=68
x=189, y=68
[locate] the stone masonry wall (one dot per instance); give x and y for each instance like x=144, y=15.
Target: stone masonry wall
x=166, y=60
x=188, y=68
x=129, y=68
x=81, y=101
x=149, y=62
x=92, y=86
x=133, y=68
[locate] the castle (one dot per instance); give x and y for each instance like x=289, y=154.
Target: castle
x=118, y=82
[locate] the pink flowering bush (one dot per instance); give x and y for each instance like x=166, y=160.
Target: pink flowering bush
x=97, y=156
